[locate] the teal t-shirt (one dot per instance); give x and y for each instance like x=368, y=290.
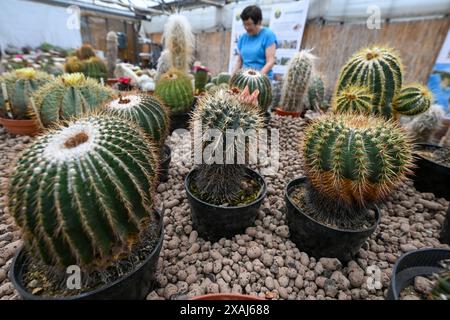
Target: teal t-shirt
x=253, y=49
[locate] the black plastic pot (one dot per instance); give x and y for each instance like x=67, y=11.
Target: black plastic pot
x=318, y=239
x=179, y=120
x=422, y=262
x=166, y=156
x=430, y=176
x=214, y=222
x=132, y=286
x=445, y=232
x=267, y=116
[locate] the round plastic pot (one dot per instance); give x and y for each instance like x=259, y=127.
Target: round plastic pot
x=283, y=113
x=430, y=176
x=21, y=127
x=214, y=222
x=179, y=120
x=320, y=240
x=445, y=232
x=133, y=286
x=227, y=296
x=166, y=156
x=267, y=116
x=422, y=262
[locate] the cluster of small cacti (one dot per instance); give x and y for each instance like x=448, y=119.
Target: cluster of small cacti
x=145, y=110
x=379, y=70
x=175, y=90
x=84, y=193
x=354, y=160
x=353, y=99
x=426, y=124
x=254, y=80
x=296, y=80
x=222, y=77
x=220, y=81
x=316, y=93
x=112, y=50
x=225, y=110
x=68, y=96
x=20, y=85
x=86, y=62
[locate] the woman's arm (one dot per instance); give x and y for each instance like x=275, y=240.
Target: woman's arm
x=270, y=58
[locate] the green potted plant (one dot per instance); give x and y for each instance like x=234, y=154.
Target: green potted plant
x=83, y=195
x=223, y=193
x=16, y=91
x=351, y=162
x=86, y=62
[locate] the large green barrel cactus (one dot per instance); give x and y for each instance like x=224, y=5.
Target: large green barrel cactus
x=20, y=85
x=353, y=99
x=255, y=80
x=225, y=110
x=412, y=100
x=95, y=68
x=68, y=96
x=146, y=111
x=316, y=93
x=296, y=81
x=355, y=159
x=83, y=193
x=377, y=68
x=175, y=90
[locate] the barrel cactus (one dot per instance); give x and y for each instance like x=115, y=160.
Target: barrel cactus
x=222, y=77
x=175, y=90
x=255, y=80
x=87, y=63
x=353, y=160
x=225, y=110
x=148, y=112
x=68, y=96
x=296, y=81
x=353, y=99
x=316, y=93
x=412, y=100
x=20, y=85
x=377, y=68
x=84, y=193
x=201, y=79
x=85, y=52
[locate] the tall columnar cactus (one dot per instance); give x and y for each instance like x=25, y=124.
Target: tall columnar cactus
x=225, y=110
x=112, y=51
x=164, y=64
x=148, y=112
x=352, y=160
x=255, y=80
x=20, y=85
x=412, y=100
x=84, y=194
x=353, y=99
x=316, y=93
x=201, y=79
x=296, y=81
x=85, y=52
x=68, y=96
x=377, y=68
x=426, y=124
x=179, y=41
x=175, y=90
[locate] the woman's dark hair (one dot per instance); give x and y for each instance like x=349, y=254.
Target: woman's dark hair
x=252, y=12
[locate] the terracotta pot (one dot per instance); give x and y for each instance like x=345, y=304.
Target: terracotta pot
x=21, y=127
x=226, y=296
x=283, y=113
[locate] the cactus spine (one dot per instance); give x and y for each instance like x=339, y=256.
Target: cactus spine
x=355, y=159
x=380, y=70
x=148, y=112
x=316, y=93
x=255, y=80
x=353, y=99
x=83, y=194
x=296, y=81
x=112, y=50
x=225, y=110
x=412, y=100
x=20, y=85
x=68, y=96
x=175, y=90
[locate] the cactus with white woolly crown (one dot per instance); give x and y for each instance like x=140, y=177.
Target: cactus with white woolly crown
x=296, y=81
x=20, y=86
x=84, y=193
x=68, y=96
x=225, y=110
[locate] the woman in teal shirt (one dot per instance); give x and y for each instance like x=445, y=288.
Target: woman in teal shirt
x=256, y=47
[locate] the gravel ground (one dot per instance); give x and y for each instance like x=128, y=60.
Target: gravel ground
x=263, y=261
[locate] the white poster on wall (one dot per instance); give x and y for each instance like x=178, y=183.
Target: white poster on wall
x=287, y=21
x=237, y=29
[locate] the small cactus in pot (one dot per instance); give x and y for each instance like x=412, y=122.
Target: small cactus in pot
x=175, y=90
